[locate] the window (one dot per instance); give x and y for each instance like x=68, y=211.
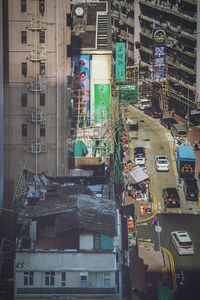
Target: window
x=68, y=20
x=84, y=279
x=69, y=51
x=24, y=69
x=42, y=129
x=23, y=37
x=42, y=7
x=106, y=279
x=23, y=5
x=42, y=36
x=24, y=99
x=49, y=278
x=28, y=278
x=63, y=278
x=42, y=68
x=42, y=99
x=24, y=129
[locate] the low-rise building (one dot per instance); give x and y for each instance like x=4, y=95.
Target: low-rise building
x=67, y=244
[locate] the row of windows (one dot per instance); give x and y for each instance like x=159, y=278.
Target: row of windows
x=41, y=7
x=41, y=37
x=24, y=68
x=24, y=99
x=25, y=130
x=50, y=278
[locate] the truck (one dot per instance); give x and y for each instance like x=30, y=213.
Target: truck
x=185, y=161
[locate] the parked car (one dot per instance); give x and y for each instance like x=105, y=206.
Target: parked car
x=132, y=124
x=190, y=189
x=139, y=156
x=171, y=198
x=143, y=103
x=182, y=242
x=162, y=163
x=168, y=122
x=154, y=112
x=139, y=150
x=179, y=131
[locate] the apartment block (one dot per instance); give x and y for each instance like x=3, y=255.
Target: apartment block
x=36, y=91
x=179, y=20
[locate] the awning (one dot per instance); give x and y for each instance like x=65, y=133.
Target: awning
x=136, y=175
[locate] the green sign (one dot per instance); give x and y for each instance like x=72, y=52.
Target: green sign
x=120, y=67
x=128, y=94
x=102, y=102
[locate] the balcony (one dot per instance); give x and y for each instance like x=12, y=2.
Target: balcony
x=36, y=25
x=37, y=55
x=36, y=148
x=39, y=85
x=37, y=117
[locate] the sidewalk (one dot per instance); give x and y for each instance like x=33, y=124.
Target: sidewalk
x=158, y=268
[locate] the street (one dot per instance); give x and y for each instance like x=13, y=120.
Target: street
x=189, y=264
x=157, y=140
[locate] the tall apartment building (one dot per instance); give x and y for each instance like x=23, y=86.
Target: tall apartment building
x=122, y=13
x=179, y=19
x=37, y=63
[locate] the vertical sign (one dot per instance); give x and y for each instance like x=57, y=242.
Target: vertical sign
x=81, y=66
x=102, y=95
x=120, y=67
x=159, y=54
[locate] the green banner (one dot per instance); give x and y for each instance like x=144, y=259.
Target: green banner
x=128, y=94
x=120, y=67
x=102, y=102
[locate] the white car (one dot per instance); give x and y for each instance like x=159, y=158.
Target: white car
x=162, y=163
x=182, y=242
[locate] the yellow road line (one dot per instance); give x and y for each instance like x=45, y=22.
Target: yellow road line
x=168, y=135
x=171, y=261
x=172, y=266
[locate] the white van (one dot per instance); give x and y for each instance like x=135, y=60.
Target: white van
x=182, y=242
x=143, y=103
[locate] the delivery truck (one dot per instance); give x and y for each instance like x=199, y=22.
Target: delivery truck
x=185, y=161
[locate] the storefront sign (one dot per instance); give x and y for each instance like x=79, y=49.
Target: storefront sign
x=120, y=67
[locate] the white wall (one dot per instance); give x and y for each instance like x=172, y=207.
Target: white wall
x=72, y=263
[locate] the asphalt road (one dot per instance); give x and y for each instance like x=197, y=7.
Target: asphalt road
x=157, y=141
x=189, y=264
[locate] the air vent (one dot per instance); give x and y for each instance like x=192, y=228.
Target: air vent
x=102, y=36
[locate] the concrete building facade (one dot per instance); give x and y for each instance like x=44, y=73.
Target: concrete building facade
x=179, y=19
x=36, y=91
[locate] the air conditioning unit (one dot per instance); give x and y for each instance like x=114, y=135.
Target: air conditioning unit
x=36, y=148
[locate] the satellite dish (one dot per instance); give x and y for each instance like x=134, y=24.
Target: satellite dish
x=79, y=11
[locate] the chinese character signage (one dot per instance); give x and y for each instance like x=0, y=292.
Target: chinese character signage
x=128, y=94
x=102, y=102
x=120, y=67
x=159, y=55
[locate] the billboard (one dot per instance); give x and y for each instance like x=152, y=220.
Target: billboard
x=102, y=102
x=159, y=54
x=81, y=68
x=128, y=94
x=120, y=66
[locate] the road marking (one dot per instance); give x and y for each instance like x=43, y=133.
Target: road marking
x=140, y=224
x=169, y=138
